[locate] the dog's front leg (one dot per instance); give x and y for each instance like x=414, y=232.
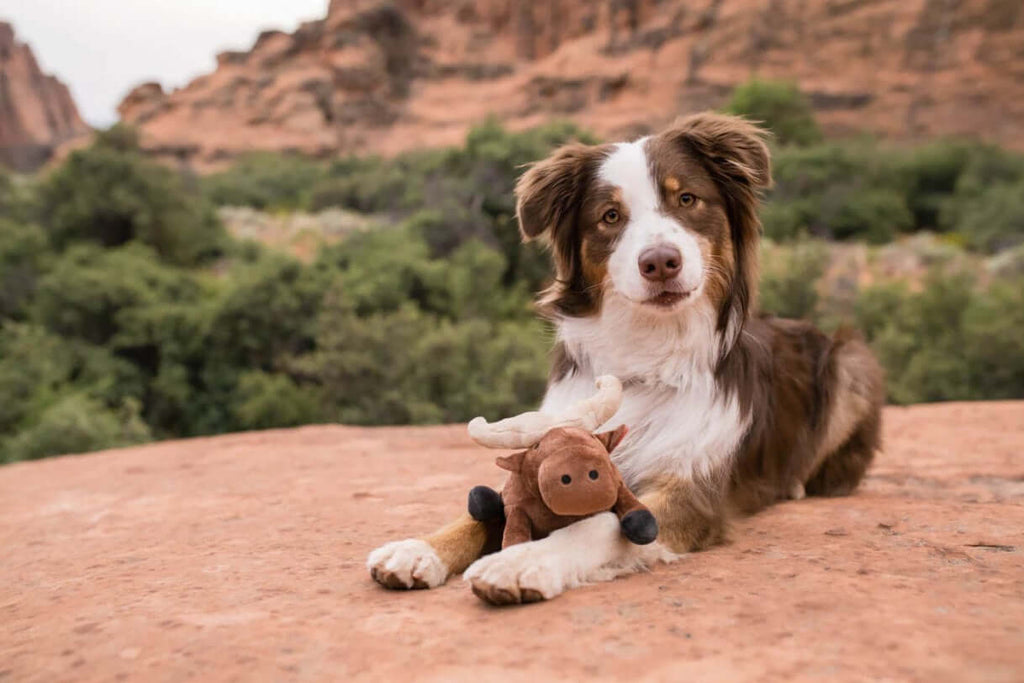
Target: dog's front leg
x=428, y=562
x=590, y=550
x=690, y=514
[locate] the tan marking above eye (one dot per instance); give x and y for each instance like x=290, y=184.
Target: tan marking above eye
x=672, y=184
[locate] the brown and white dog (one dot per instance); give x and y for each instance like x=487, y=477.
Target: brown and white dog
x=655, y=244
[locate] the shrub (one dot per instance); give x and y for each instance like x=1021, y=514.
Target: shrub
x=874, y=215
x=780, y=107
x=89, y=289
x=23, y=258
x=994, y=219
x=76, y=424
x=264, y=401
x=110, y=195
x=930, y=174
x=789, y=279
x=265, y=180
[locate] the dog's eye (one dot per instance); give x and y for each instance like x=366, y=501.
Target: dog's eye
x=686, y=199
x=592, y=474
x=610, y=217
x=566, y=479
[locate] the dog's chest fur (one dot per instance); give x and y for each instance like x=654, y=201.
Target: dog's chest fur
x=681, y=422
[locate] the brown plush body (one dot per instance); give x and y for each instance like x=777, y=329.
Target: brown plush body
x=567, y=476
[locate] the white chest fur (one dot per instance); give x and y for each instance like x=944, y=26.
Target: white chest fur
x=681, y=421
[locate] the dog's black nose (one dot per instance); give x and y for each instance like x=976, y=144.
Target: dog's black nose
x=660, y=263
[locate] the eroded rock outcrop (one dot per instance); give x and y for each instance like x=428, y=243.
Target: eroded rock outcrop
x=37, y=112
x=378, y=76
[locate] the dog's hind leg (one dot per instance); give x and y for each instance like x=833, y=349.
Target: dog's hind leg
x=853, y=431
x=428, y=562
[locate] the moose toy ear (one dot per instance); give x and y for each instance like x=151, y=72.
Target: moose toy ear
x=613, y=438
x=512, y=463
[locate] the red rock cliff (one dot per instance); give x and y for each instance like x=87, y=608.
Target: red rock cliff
x=37, y=112
x=385, y=76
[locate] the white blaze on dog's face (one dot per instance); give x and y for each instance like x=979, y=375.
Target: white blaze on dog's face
x=668, y=219
x=658, y=224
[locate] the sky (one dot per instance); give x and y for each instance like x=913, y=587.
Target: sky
x=103, y=48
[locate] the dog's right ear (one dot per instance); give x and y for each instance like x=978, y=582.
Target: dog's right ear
x=550, y=192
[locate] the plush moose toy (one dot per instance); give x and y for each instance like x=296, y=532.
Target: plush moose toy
x=565, y=474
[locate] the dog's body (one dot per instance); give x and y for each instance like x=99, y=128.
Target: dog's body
x=655, y=247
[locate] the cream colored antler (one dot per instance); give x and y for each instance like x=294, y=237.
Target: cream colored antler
x=527, y=429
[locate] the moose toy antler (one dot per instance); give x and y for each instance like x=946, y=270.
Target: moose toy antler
x=527, y=429
x=565, y=474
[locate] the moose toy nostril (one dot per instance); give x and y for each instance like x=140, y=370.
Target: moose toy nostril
x=566, y=479
x=592, y=474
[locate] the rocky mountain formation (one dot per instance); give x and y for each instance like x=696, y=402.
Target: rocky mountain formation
x=384, y=76
x=37, y=113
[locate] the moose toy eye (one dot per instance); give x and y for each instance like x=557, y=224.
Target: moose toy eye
x=610, y=217
x=592, y=474
x=566, y=479
x=686, y=199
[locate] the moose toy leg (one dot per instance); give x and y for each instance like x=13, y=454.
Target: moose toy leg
x=485, y=504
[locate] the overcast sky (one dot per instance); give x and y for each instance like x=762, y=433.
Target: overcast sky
x=102, y=48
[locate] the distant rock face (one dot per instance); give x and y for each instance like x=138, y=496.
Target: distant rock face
x=36, y=110
x=383, y=76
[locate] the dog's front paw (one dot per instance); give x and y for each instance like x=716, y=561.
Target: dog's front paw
x=407, y=564
x=516, y=575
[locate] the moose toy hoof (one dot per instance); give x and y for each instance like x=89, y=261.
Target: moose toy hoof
x=485, y=504
x=639, y=527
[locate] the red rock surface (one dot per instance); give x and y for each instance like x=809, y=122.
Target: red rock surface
x=37, y=113
x=241, y=558
x=383, y=76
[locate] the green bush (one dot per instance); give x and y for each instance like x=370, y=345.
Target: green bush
x=265, y=180
x=111, y=195
x=875, y=215
x=89, y=290
x=994, y=219
x=84, y=395
x=952, y=340
x=76, y=424
x=930, y=175
x=264, y=401
x=789, y=279
x=780, y=107
x=24, y=256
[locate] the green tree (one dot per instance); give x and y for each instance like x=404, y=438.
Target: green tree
x=780, y=107
x=110, y=194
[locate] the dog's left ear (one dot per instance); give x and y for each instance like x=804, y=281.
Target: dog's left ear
x=734, y=147
x=613, y=438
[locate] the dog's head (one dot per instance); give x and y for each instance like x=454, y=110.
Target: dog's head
x=660, y=223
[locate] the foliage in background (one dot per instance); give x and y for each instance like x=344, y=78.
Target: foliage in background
x=127, y=314
x=780, y=107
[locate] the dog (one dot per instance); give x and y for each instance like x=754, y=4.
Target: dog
x=655, y=249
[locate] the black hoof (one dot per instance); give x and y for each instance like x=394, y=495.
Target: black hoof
x=639, y=527
x=485, y=504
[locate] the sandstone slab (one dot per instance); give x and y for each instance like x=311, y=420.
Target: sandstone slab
x=241, y=558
